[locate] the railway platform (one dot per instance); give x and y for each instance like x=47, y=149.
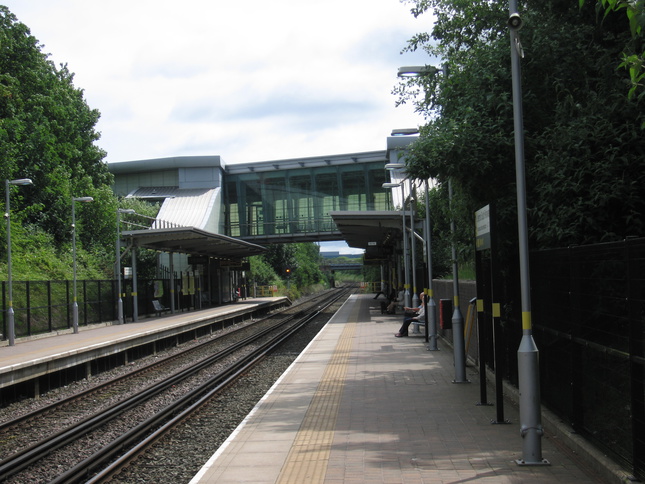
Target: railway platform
x=359, y=406
x=32, y=358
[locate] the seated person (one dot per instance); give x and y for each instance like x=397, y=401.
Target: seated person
x=394, y=299
x=419, y=313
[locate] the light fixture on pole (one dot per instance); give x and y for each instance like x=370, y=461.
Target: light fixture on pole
x=119, y=307
x=405, y=131
x=527, y=355
x=417, y=71
x=75, y=303
x=10, y=312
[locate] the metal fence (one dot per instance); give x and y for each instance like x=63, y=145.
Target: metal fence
x=588, y=306
x=46, y=306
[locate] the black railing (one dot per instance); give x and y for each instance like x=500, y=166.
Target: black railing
x=283, y=227
x=46, y=306
x=589, y=313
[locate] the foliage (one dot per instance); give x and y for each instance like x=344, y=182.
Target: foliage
x=442, y=238
x=308, y=270
x=281, y=257
x=47, y=134
x=302, y=260
x=583, y=140
x=632, y=54
x=262, y=273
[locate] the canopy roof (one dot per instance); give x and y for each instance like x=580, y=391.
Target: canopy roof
x=194, y=241
x=375, y=231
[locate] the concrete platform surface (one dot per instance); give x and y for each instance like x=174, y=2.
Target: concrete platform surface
x=360, y=405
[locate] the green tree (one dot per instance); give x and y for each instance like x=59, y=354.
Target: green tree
x=308, y=271
x=633, y=56
x=583, y=141
x=281, y=257
x=301, y=259
x=47, y=133
x=262, y=273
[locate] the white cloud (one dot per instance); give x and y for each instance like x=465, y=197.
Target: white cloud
x=249, y=81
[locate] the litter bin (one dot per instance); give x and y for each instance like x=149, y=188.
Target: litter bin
x=445, y=313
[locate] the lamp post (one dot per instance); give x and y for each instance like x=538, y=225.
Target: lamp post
x=414, y=296
x=119, y=307
x=10, y=313
x=406, y=262
x=527, y=354
x=457, y=316
x=413, y=248
x=431, y=304
x=75, y=303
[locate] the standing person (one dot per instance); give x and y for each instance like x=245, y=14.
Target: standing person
x=383, y=290
x=418, y=313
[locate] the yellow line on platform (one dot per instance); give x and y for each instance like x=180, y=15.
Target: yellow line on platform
x=308, y=457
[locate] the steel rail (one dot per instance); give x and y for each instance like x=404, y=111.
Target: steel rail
x=19, y=461
x=149, y=431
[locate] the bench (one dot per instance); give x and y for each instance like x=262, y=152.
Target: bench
x=158, y=307
x=416, y=325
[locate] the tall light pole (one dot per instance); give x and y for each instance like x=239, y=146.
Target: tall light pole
x=406, y=262
x=75, y=303
x=457, y=316
x=431, y=304
x=413, y=248
x=527, y=354
x=10, y=313
x=119, y=307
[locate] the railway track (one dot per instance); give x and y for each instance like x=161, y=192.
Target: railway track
x=119, y=431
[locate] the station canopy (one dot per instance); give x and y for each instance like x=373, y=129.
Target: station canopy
x=193, y=241
x=375, y=231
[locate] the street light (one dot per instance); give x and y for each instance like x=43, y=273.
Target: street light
x=432, y=311
x=405, y=131
x=527, y=355
x=74, y=303
x=457, y=316
x=10, y=313
x=432, y=319
x=417, y=71
x=406, y=262
x=119, y=307
x=413, y=248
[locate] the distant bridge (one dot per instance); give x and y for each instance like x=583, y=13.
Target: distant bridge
x=342, y=267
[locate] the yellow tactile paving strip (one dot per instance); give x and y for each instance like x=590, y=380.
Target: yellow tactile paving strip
x=308, y=458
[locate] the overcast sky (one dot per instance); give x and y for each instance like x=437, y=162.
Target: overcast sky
x=251, y=80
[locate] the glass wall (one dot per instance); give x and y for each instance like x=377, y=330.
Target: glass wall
x=298, y=201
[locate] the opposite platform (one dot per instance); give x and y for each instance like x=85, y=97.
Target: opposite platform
x=362, y=406
x=31, y=358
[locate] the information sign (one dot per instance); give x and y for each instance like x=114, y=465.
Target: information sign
x=482, y=228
